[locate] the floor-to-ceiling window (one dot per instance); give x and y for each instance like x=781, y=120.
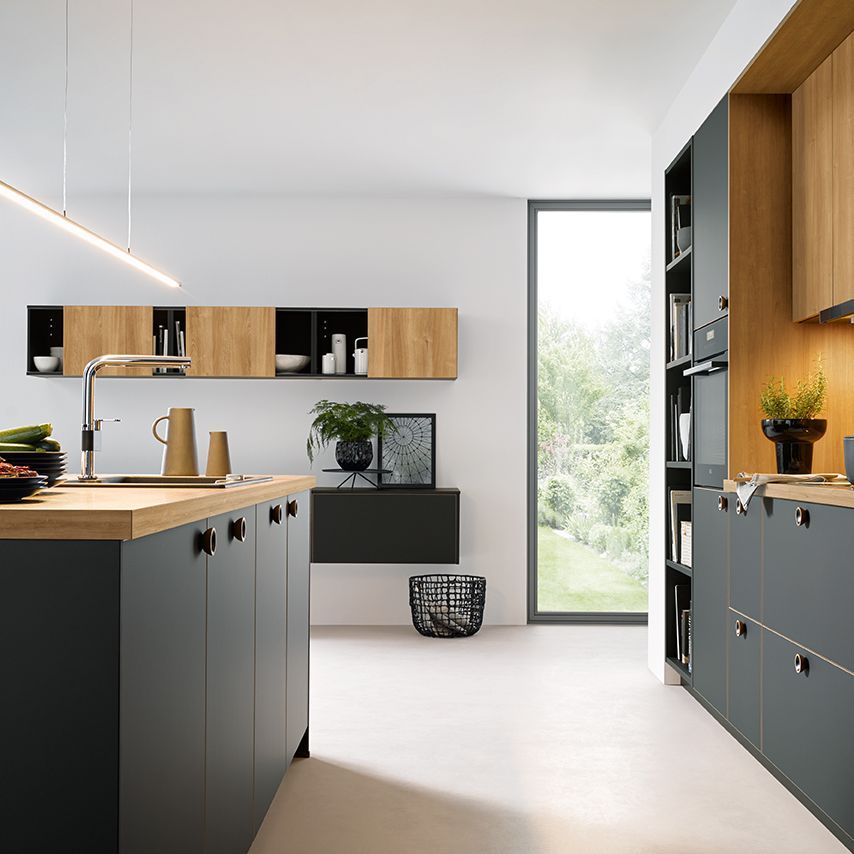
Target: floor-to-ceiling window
x=589, y=409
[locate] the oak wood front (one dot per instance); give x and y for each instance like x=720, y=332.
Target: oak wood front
x=412, y=343
x=231, y=341
x=843, y=171
x=96, y=330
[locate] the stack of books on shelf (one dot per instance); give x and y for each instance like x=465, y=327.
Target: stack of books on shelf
x=680, y=511
x=682, y=601
x=680, y=404
x=680, y=326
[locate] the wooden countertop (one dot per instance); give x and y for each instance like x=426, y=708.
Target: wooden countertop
x=129, y=512
x=838, y=496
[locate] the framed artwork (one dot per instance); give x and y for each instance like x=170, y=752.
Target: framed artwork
x=408, y=452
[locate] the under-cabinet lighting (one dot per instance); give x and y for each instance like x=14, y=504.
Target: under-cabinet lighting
x=34, y=206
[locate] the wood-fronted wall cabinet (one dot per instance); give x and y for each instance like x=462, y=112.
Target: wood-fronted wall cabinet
x=812, y=191
x=231, y=341
x=823, y=186
x=410, y=343
x=95, y=330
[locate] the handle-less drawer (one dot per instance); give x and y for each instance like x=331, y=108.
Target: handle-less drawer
x=808, y=707
x=809, y=576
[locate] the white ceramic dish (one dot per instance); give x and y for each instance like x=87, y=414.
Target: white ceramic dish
x=290, y=363
x=46, y=364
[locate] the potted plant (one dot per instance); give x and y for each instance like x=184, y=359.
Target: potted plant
x=790, y=420
x=352, y=425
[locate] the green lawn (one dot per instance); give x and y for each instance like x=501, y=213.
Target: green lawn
x=573, y=577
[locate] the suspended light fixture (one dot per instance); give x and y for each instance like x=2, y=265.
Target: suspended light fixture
x=61, y=219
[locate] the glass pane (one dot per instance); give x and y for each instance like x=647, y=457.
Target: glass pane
x=593, y=339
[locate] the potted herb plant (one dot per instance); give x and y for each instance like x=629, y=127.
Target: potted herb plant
x=790, y=419
x=352, y=426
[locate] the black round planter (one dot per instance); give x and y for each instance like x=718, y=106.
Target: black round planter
x=794, y=438
x=354, y=456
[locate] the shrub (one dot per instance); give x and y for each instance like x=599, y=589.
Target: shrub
x=560, y=495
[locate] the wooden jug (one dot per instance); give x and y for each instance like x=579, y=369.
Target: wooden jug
x=179, y=455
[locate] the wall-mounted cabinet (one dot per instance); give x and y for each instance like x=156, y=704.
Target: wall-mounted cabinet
x=243, y=341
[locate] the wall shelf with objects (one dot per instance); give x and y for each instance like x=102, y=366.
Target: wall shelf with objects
x=249, y=341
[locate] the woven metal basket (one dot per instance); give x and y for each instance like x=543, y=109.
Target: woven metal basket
x=447, y=606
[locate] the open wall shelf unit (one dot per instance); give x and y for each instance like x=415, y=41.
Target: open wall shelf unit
x=242, y=341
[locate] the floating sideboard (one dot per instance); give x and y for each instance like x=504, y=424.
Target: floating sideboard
x=242, y=341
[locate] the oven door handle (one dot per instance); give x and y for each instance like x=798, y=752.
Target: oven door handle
x=718, y=364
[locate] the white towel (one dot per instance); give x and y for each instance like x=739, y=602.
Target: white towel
x=748, y=484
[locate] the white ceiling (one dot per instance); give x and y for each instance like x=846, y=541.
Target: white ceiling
x=532, y=98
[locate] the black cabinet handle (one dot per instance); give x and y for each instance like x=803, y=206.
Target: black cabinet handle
x=740, y=509
x=209, y=542
x=277, y=514
x=238, y=529
x=740, y=628
x=723, y=302
x=802, y=664
x=722, y=503
x=802, y=517
x=293, y=508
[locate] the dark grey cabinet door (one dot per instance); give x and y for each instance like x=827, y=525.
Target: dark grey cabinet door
x=809, y=577
x=230, y=686
x=807, y=726
x=745, y=558
x=744, y=676
x=162, y=693
x=710, y=215
x=709, y=597
x=270, y=654
x=298, y=620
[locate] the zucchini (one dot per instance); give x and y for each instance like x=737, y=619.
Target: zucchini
x=28, y=435
x=17, y=446
x=49, y=445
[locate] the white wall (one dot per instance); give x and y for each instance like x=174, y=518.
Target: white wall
x=468, y=253
x=739, y=39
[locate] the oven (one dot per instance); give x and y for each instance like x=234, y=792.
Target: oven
x=709, y=396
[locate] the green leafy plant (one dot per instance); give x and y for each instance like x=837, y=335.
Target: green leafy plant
x=807, y=401
x=345, y=422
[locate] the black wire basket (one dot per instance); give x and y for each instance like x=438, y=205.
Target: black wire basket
x=447, y=606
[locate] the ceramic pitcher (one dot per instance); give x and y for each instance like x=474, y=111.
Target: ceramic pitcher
x=179, y=455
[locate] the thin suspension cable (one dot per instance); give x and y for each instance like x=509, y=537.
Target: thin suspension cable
x=130, y=119
x=65, y=124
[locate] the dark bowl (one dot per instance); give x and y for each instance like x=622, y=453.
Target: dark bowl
x=794, y=429
x=17, y=488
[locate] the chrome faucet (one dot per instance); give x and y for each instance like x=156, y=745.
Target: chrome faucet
x=92, y=425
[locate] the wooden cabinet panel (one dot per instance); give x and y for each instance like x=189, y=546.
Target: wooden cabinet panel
x=843, y=171
x=412, y=343
x=812, y=191
x=96, y=330
x=230, y=686
x=231, y=341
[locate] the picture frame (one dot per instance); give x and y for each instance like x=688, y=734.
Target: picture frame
x=409, y=452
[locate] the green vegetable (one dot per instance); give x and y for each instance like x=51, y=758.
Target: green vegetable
x=17, y=446
x=49, y=445
x=29, y=435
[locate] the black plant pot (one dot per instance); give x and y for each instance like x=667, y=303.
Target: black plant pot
x=794, y=438
x=354, y=456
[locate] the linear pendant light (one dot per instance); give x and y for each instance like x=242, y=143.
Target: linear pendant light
x=7, y=191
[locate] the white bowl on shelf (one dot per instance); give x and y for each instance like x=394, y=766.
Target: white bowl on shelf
x=290, y=363
x=46, y=364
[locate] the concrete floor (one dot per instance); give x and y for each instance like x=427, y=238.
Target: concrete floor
x=534, y=740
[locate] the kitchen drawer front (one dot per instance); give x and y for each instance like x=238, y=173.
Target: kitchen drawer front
x=809, y=577
x=385, y=526
x=745, y=558
x=807, y=726
x=744, y=677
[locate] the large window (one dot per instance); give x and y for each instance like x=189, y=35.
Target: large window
x=589, y=402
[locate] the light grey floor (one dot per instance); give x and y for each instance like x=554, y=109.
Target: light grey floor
x=549, y=739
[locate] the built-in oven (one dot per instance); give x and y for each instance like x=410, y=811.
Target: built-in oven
x=709, y=397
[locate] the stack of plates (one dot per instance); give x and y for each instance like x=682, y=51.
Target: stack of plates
x=51, y=464
x=16, y=488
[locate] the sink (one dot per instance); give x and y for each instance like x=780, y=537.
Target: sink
x=161, y=480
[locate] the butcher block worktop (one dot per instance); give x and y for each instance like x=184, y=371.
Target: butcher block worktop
x=127, y=513
x=833, y=494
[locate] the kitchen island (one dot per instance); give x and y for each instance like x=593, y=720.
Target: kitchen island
x=154, y=648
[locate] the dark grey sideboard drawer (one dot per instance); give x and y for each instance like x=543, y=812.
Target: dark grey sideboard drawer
x=744, y=677
x=745, y=558
x=809, y=576
x=385, y=526
x=807, y=719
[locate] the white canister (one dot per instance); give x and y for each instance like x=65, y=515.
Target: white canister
x=339, y=348
x=360, y=355
x=328, y=363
